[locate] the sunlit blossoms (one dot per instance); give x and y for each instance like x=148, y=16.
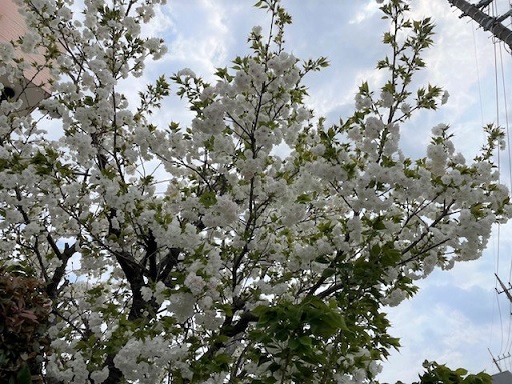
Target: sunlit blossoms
x=202, y=253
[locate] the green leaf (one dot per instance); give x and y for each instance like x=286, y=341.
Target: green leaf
x=24, y=376
x=208, y=199
x=328, y=272
x=223, y=358
x=304, y=198
x=306, y=341
x=322, y=259
x=378, y=224
x=89, y=101
x=293, y=344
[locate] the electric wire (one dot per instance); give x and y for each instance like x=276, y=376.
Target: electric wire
x=508, y=344
x=507, y=133
x=500, y=67
x=496, y=248
x=509, y=166
x=496, y=293
x=478, y=74
x=503, y=345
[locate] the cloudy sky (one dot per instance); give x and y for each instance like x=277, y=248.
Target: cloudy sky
x=457, y=315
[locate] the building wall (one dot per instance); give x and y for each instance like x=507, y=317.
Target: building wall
x=504, y=377
x=36, y=85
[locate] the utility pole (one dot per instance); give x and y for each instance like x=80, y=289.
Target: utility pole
x=496, y=362
x=505, y=289
x=488, y=23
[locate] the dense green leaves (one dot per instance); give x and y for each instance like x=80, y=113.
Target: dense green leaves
x=441, y=374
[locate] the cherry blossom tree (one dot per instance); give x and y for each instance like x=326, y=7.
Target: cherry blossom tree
x=231, y=262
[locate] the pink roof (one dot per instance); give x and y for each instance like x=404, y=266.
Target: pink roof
x=12, y=26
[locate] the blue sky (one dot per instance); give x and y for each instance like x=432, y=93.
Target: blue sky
x=455, y=317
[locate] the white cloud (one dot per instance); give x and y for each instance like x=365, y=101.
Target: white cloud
x=439, y=333
x=364, y=14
